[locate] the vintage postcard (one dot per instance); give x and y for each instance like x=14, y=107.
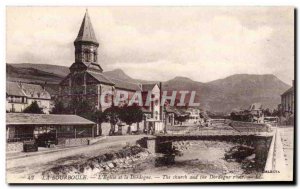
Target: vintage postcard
x=149, y=94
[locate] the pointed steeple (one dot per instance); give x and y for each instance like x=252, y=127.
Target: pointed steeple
x=86, y=32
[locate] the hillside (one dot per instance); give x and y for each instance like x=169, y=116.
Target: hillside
x=54, y=69
x=30, y=75
x=222, y=95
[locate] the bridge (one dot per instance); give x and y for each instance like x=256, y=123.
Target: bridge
x=264, y=138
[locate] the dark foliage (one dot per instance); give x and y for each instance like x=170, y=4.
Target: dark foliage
x=33, y=108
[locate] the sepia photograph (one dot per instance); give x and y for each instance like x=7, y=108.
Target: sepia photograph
x=144, y=95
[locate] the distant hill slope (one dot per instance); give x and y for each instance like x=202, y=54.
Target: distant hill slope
x=30, y=75
x=119, y=74
x=241, y=90
x=222, y=95
x=55, y=69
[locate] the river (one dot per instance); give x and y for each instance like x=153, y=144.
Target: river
x=204, y=158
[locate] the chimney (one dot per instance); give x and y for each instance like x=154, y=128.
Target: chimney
x=20, y=84
x=44, y=85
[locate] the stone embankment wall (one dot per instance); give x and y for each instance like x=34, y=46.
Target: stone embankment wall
x=250, y=127
x=103, y=163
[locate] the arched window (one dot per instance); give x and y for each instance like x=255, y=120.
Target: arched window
x=95, y=56
x=91, y=57
x=85, y=57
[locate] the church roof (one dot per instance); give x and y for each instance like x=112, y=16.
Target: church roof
x=86, y=32
x=101, y=78
x=126, y=85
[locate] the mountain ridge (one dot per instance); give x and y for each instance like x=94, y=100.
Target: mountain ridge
x=235, y=91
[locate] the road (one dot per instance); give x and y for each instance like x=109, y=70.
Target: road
x=20, y=166
x=287, y=139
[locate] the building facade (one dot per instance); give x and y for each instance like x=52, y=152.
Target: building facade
x=287, y=100
x=194, y=115
x=68, y=129
x=21, y=95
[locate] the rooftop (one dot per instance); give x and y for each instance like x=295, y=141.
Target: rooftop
x=13, y=89
x=122, y=84
x=255, y=106
x=101, y=78
x=26, y=90
x=86, y=32
x=290, y=90
x=45, y=119
x=148, y=87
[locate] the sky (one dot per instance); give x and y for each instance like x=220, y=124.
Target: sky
x=160, y=43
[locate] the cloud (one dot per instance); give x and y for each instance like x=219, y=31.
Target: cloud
x=202, y=43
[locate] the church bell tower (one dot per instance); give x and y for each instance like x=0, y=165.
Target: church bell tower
x=86, y=48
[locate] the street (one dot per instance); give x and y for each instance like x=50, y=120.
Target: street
x=21, y=166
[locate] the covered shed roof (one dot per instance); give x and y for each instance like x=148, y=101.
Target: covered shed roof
x=45, y=119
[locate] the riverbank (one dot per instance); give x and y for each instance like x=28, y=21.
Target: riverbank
x=125, y=158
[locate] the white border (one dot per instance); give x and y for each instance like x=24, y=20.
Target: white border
x=5, y=3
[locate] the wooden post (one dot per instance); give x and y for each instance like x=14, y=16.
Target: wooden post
x=7, y=133
x=75, y=131
x=93, y=131
x=56, y=132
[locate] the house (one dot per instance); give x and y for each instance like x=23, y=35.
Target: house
x=194, y=115
x=287, y=100
x=21, y=95
x=256, y=108
x=287, y=106
x=169, y=116
x=153, y=111
x=23, y=127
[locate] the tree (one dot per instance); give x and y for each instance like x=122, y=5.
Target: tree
x=98, y=117
x=267, y=112
x=111, y=115
x=33, y=108
x=59, y=108
x=181, y=118
x=131, y=114
x=82, y=107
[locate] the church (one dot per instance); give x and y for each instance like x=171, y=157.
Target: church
x=86, y=79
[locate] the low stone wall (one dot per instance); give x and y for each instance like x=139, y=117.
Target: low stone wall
x=275, y=168
x=77, y=141
x=250, y=127
x=14, y=147
x=73, y=141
